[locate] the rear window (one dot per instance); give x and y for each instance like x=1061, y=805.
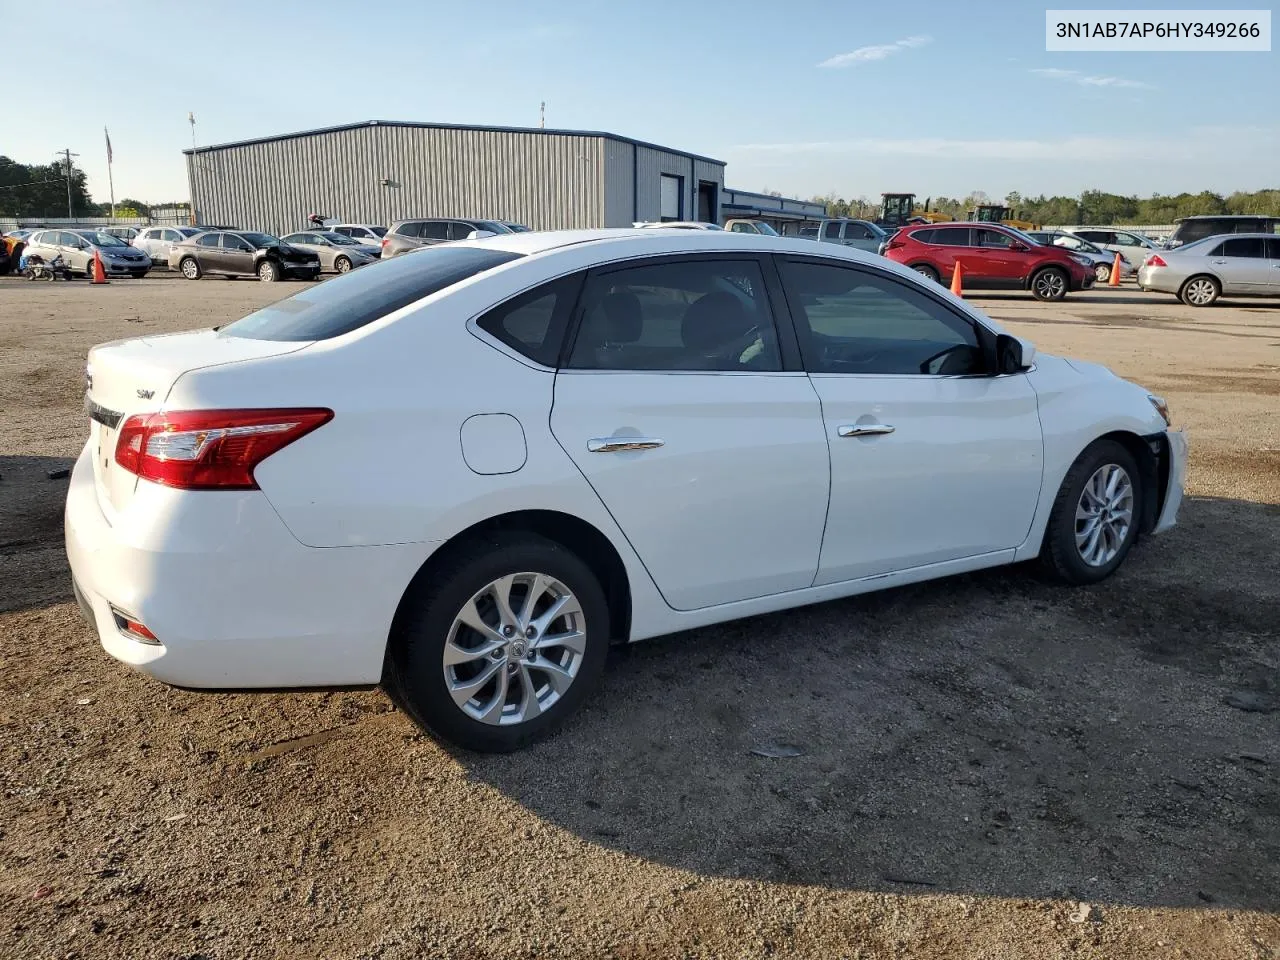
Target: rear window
x=354, y=299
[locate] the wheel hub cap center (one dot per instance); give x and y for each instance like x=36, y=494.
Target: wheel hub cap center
x=519, y=649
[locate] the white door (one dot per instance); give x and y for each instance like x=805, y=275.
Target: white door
x=1242, y=264
x=676, y=406
x=931, y=459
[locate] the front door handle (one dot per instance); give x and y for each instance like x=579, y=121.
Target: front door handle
x=623, y=444
x=1220, y=262
x=864, y=429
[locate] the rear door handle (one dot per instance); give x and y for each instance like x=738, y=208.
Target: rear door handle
x=864, y=429
x=622, y=444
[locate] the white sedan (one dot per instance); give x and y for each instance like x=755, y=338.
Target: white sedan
x=466, y=473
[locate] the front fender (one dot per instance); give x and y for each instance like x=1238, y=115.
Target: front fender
x=1078, y=403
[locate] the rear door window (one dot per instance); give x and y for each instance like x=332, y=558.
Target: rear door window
x=952, y=236
x=1273, y=248
x=412, y=229
x=352, y=300
x=435, y=230
x=1250, y=247
x=708, y=315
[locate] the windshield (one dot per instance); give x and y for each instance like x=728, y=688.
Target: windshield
x=100, y=239
x=1025, y=238
x=354, y=299
x=493, y=226
x=190, y=231
x=340, y=239
x=262, y=239
x=767, y=230
x=515, y=227
x=380, y=231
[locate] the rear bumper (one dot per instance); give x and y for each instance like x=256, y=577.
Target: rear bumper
x=1157, y=278
x=233, y=598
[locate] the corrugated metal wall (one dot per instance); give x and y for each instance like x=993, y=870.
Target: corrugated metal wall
x=548, y=181
x=619, y=184
x=652, y=164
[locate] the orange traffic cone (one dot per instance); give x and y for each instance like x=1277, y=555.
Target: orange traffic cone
x=1115, y=273
x=99, y=275
x=957, y=285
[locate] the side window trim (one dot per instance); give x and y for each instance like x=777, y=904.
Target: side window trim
x=981, y=332
x=787, y=346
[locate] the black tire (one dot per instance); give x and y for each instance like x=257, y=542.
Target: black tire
x=1049, y=284
x=138, y=274
x=927, y=271
x=1190, y=291
x=268, y=272
x=1059, y=554
x=189, y=267
x=415, y=672
x=342, y=264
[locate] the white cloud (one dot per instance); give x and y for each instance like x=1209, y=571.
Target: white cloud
x=1085, y=80
x=875, y=52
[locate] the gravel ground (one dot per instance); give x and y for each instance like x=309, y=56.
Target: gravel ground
x=988, y=766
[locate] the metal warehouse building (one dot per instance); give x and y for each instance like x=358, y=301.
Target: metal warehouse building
x=379, y=171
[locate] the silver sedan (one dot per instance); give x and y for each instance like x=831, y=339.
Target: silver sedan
x=1236, y=265
x=337, y=253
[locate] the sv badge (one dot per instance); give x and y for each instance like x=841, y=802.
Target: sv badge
x=146, y=394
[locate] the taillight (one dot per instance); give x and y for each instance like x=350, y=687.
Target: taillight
x=385, y=241
x=1155, y=260
x=210, y=449
x=894, y=244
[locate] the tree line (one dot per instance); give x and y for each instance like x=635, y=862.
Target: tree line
x=40, y=190
x=1092, y=206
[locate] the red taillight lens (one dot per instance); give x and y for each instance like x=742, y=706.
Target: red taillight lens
x=1155, y=260
x=210, y=449
x=385, y=241
x=894, y=244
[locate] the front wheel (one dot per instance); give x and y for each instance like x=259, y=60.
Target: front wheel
x=1049, y=284
x=1200, y=291
x=268, y=272
x=342, y=265
x=1094, y=520
x=1101, y=272
x=501, y=646
x=190, y=269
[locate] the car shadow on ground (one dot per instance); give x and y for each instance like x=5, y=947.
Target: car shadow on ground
x=987, y=734
x=32, y=493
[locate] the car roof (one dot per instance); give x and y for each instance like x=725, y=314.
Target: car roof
x=1227, y=216
x=1253, y=235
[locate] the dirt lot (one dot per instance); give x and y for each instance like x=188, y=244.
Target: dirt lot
x=979, y=757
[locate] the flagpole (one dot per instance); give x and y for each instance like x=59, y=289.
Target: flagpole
x=110, y=180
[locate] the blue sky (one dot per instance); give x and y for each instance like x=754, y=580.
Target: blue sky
x=805, y=97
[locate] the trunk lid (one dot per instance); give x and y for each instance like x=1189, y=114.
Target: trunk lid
x=128, y=377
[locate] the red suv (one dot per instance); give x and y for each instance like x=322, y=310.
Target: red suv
x=991, y=256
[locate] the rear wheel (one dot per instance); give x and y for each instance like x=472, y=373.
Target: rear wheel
x=498, y=648
x=268, y=272
x=342, y=265
x=190, y=269
x=1200, y=291
x=1095, y=516
x=1049, y=284
x=926, y=271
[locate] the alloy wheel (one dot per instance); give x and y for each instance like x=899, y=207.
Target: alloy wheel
x=190, y=270
x=1104, y=515
x=1050, y=285
x=514, y=648
x=1201, y=291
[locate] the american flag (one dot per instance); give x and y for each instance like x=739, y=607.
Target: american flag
x=108, y=136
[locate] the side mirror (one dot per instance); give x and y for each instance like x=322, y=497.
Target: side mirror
x=1013, y=354
x=1017, y=247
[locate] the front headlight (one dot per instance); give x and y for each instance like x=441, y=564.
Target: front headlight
x=1083, y=261
x=1162, y=408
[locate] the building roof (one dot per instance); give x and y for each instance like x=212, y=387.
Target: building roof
x=452, y=126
